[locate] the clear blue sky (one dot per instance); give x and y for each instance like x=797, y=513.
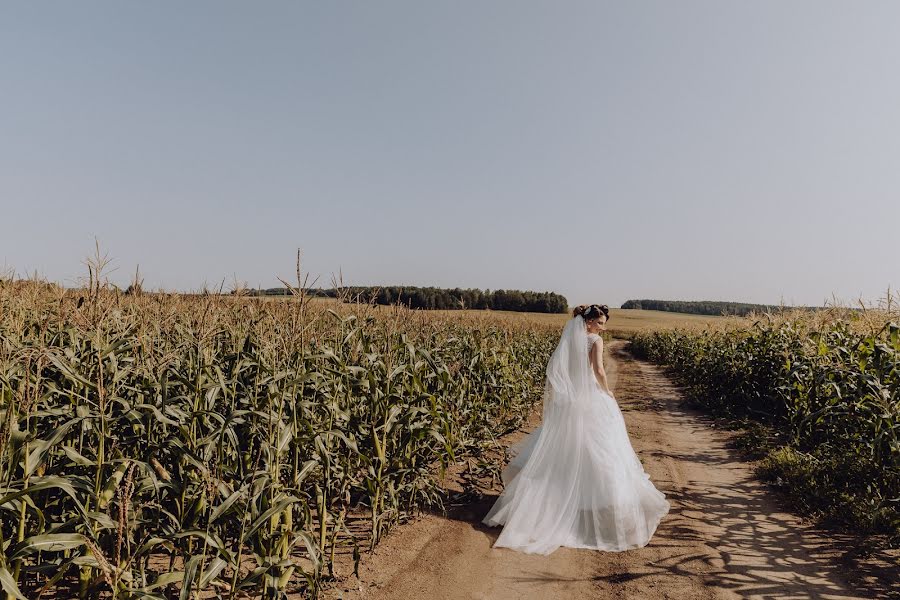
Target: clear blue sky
x=743, y=151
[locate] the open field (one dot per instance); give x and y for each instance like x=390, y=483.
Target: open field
x=622, y=322
x=159, y=445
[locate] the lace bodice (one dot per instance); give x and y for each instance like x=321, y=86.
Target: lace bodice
x=591, y=338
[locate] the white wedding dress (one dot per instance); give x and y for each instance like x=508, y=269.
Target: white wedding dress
x=576, y=481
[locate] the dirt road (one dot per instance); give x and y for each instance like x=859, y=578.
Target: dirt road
x=725, y=537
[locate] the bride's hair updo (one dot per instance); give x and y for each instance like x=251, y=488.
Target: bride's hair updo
x=591, y=311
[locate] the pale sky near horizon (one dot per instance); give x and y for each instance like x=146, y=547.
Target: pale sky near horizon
x=743, y=151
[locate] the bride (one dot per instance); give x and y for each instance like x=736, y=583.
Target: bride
x=576, y=481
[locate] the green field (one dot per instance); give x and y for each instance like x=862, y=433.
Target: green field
x=156, y=446
x=819, y=395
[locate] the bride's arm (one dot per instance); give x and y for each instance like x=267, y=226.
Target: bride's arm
x=597, y=364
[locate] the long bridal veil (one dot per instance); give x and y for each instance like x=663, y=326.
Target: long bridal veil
x=576, y=481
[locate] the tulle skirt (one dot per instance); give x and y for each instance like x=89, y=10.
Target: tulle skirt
x=576, y=481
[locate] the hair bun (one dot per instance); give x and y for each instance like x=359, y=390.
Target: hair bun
x=591, y=311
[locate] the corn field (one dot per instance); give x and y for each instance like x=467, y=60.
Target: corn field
x=161, y=446
x=831, y=388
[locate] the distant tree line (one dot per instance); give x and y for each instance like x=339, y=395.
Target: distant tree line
x=441, y=298
x=707, y=307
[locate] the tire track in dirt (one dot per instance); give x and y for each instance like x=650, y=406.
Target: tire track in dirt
x=725, y=537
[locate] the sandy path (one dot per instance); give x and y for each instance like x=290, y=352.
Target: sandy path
x=725, y=537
